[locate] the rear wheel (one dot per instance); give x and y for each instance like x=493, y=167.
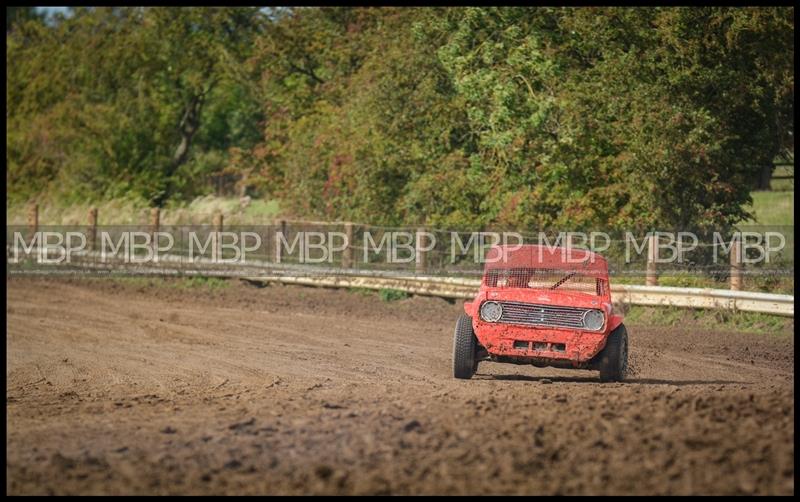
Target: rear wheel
x=465, y=346
x=613, y=360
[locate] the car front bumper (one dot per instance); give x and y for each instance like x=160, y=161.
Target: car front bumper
x=512, y=343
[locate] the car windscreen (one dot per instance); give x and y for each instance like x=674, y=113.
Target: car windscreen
x=573, y=281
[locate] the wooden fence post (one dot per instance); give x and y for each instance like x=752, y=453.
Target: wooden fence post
x=347, y=254
x=422, y=258
x=736, y=264
x=280, y=229
x=651, y=278
x=155, y=222
x=91, y=231
x=33, y=220
x=216, y=224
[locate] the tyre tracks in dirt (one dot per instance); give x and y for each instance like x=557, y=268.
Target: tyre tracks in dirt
x=154, y=389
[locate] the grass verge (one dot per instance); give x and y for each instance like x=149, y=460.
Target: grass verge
x=772, y=208
x=750, y=322
x=136, y=212
x=196, y=282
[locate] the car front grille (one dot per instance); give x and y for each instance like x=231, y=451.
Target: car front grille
x=530, y=314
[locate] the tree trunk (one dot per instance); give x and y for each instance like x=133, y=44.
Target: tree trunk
x=764, y=177
x=190, y=123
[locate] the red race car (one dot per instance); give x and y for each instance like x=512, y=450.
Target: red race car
x=543, y=306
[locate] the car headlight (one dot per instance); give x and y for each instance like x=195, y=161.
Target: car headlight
x=593, y=319
x=491, y=311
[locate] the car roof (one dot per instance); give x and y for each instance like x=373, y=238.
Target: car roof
x=534, y=256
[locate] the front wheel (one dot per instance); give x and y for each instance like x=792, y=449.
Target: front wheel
x=614, y=357
x=465, y=345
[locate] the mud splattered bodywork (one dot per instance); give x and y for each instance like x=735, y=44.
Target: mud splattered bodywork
x=543, y=306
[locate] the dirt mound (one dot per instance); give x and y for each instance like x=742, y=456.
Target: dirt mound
x=150, y=388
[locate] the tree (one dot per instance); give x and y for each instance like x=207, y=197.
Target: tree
x=125, y=115
x=524, y=118
x=22, y=15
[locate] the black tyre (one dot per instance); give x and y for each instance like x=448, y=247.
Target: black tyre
x=613, y=359
x=465, y=347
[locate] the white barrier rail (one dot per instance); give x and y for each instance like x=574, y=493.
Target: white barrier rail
x=704, y=298
x=446, y=287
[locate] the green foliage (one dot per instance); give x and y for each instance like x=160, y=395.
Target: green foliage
x=391, y=295
x=526, y=118
x=203, y=282
x=520, y=118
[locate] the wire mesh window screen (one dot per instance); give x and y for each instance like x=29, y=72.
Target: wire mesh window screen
x=537, y=278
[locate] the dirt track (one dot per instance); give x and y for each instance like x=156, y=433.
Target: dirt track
x=126, y=389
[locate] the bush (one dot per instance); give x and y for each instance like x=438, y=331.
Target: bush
x=390, y=295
